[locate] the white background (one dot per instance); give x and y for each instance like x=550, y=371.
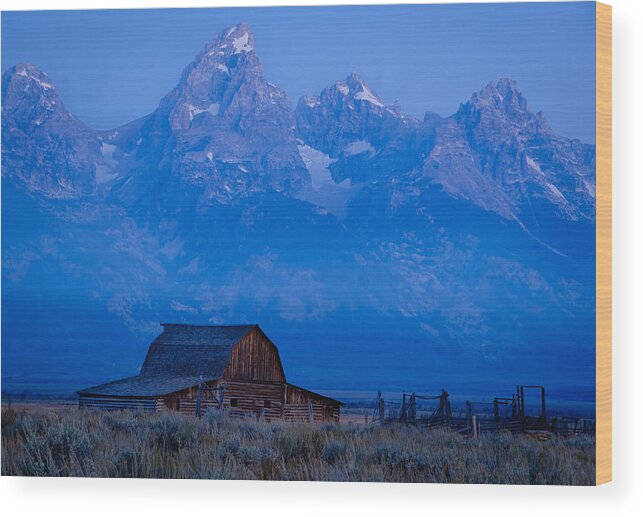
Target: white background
x=118, y=497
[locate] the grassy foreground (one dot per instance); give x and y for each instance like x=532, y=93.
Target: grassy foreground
x=70, y=442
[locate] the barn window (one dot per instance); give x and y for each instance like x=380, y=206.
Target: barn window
x=267, y=403
x=234, y=402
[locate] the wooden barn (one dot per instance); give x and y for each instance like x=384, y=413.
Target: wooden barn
x=192, y=368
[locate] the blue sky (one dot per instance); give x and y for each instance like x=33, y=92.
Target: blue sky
x=113, y=66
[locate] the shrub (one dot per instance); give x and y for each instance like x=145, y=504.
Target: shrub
x=334, y=450
x=169, y=445
x=291, y=444
x=172, y=433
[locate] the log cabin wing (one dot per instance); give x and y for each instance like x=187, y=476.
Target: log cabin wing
x=190, y=366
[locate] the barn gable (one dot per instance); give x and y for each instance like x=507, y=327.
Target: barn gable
x=255, y=359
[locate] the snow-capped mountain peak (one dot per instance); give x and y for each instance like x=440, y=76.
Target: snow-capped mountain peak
x=44, y=146
x=31, y=93
x=346, y=113
x=208, y=84
x=238, y=39
x=224, y=128
x=33, y=76
x=502, y=105
x=356, y=88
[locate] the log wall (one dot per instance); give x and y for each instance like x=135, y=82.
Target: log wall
x=300, y=404
x=259, y=398
x=267, y=400
x=117, y=403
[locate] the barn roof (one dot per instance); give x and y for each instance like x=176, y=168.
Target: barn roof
x=140, y=386
x=179, y=358
x=189, y=350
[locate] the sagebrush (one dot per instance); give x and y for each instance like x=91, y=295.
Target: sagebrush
x=72, y=442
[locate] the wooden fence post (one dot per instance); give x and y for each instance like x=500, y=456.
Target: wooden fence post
x=198, y=401
x=474, y=425
x=381, y=411
x=413, y=407
x=444, y=401
x=310, y=412
x=221, y=397
x=403, y=410
x=522, y=409
x=544, y=411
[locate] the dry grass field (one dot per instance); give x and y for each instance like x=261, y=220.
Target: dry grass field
x=72, y=442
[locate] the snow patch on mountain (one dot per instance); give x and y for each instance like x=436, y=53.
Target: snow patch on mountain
x=312, y=102
x=359, y=147
x=367, y=95
x=555, y=191
x=324, y=192
x=212, y=109
x=43, y=84
x=107, y=170
x=241, y=44
x=317, y=164
x=107, y=150
x=533, y=164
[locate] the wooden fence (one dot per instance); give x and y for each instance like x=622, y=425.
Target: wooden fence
x=507, y=414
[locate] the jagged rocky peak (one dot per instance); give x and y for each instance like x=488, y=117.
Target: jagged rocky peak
x=357, y=90
x=238, y=39
x=221, y=57
x=505, y=158
x=44, y=147
x=28, y=75
x=226, y=80
x=224, y=129
x=501, y=105
x=351, y=93
x=503, y=94
x=30, y=96
x=348, y=113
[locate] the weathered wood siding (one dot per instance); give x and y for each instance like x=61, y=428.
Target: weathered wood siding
x=115, y=403
x=258, y=398
x=301, y=404
x=185, y=401
x=254, y=358
x=269, y=400
x=249, y=398
x=301, y=413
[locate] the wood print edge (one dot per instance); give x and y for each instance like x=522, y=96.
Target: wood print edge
x=603, y=243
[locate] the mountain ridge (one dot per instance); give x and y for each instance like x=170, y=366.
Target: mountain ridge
x=222, y=96
x=465, y=232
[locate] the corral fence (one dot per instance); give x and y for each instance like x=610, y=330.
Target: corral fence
x=508, y=414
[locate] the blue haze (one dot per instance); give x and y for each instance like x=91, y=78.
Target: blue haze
x=112, y=67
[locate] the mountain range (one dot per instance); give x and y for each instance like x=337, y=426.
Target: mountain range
x=394, y=248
